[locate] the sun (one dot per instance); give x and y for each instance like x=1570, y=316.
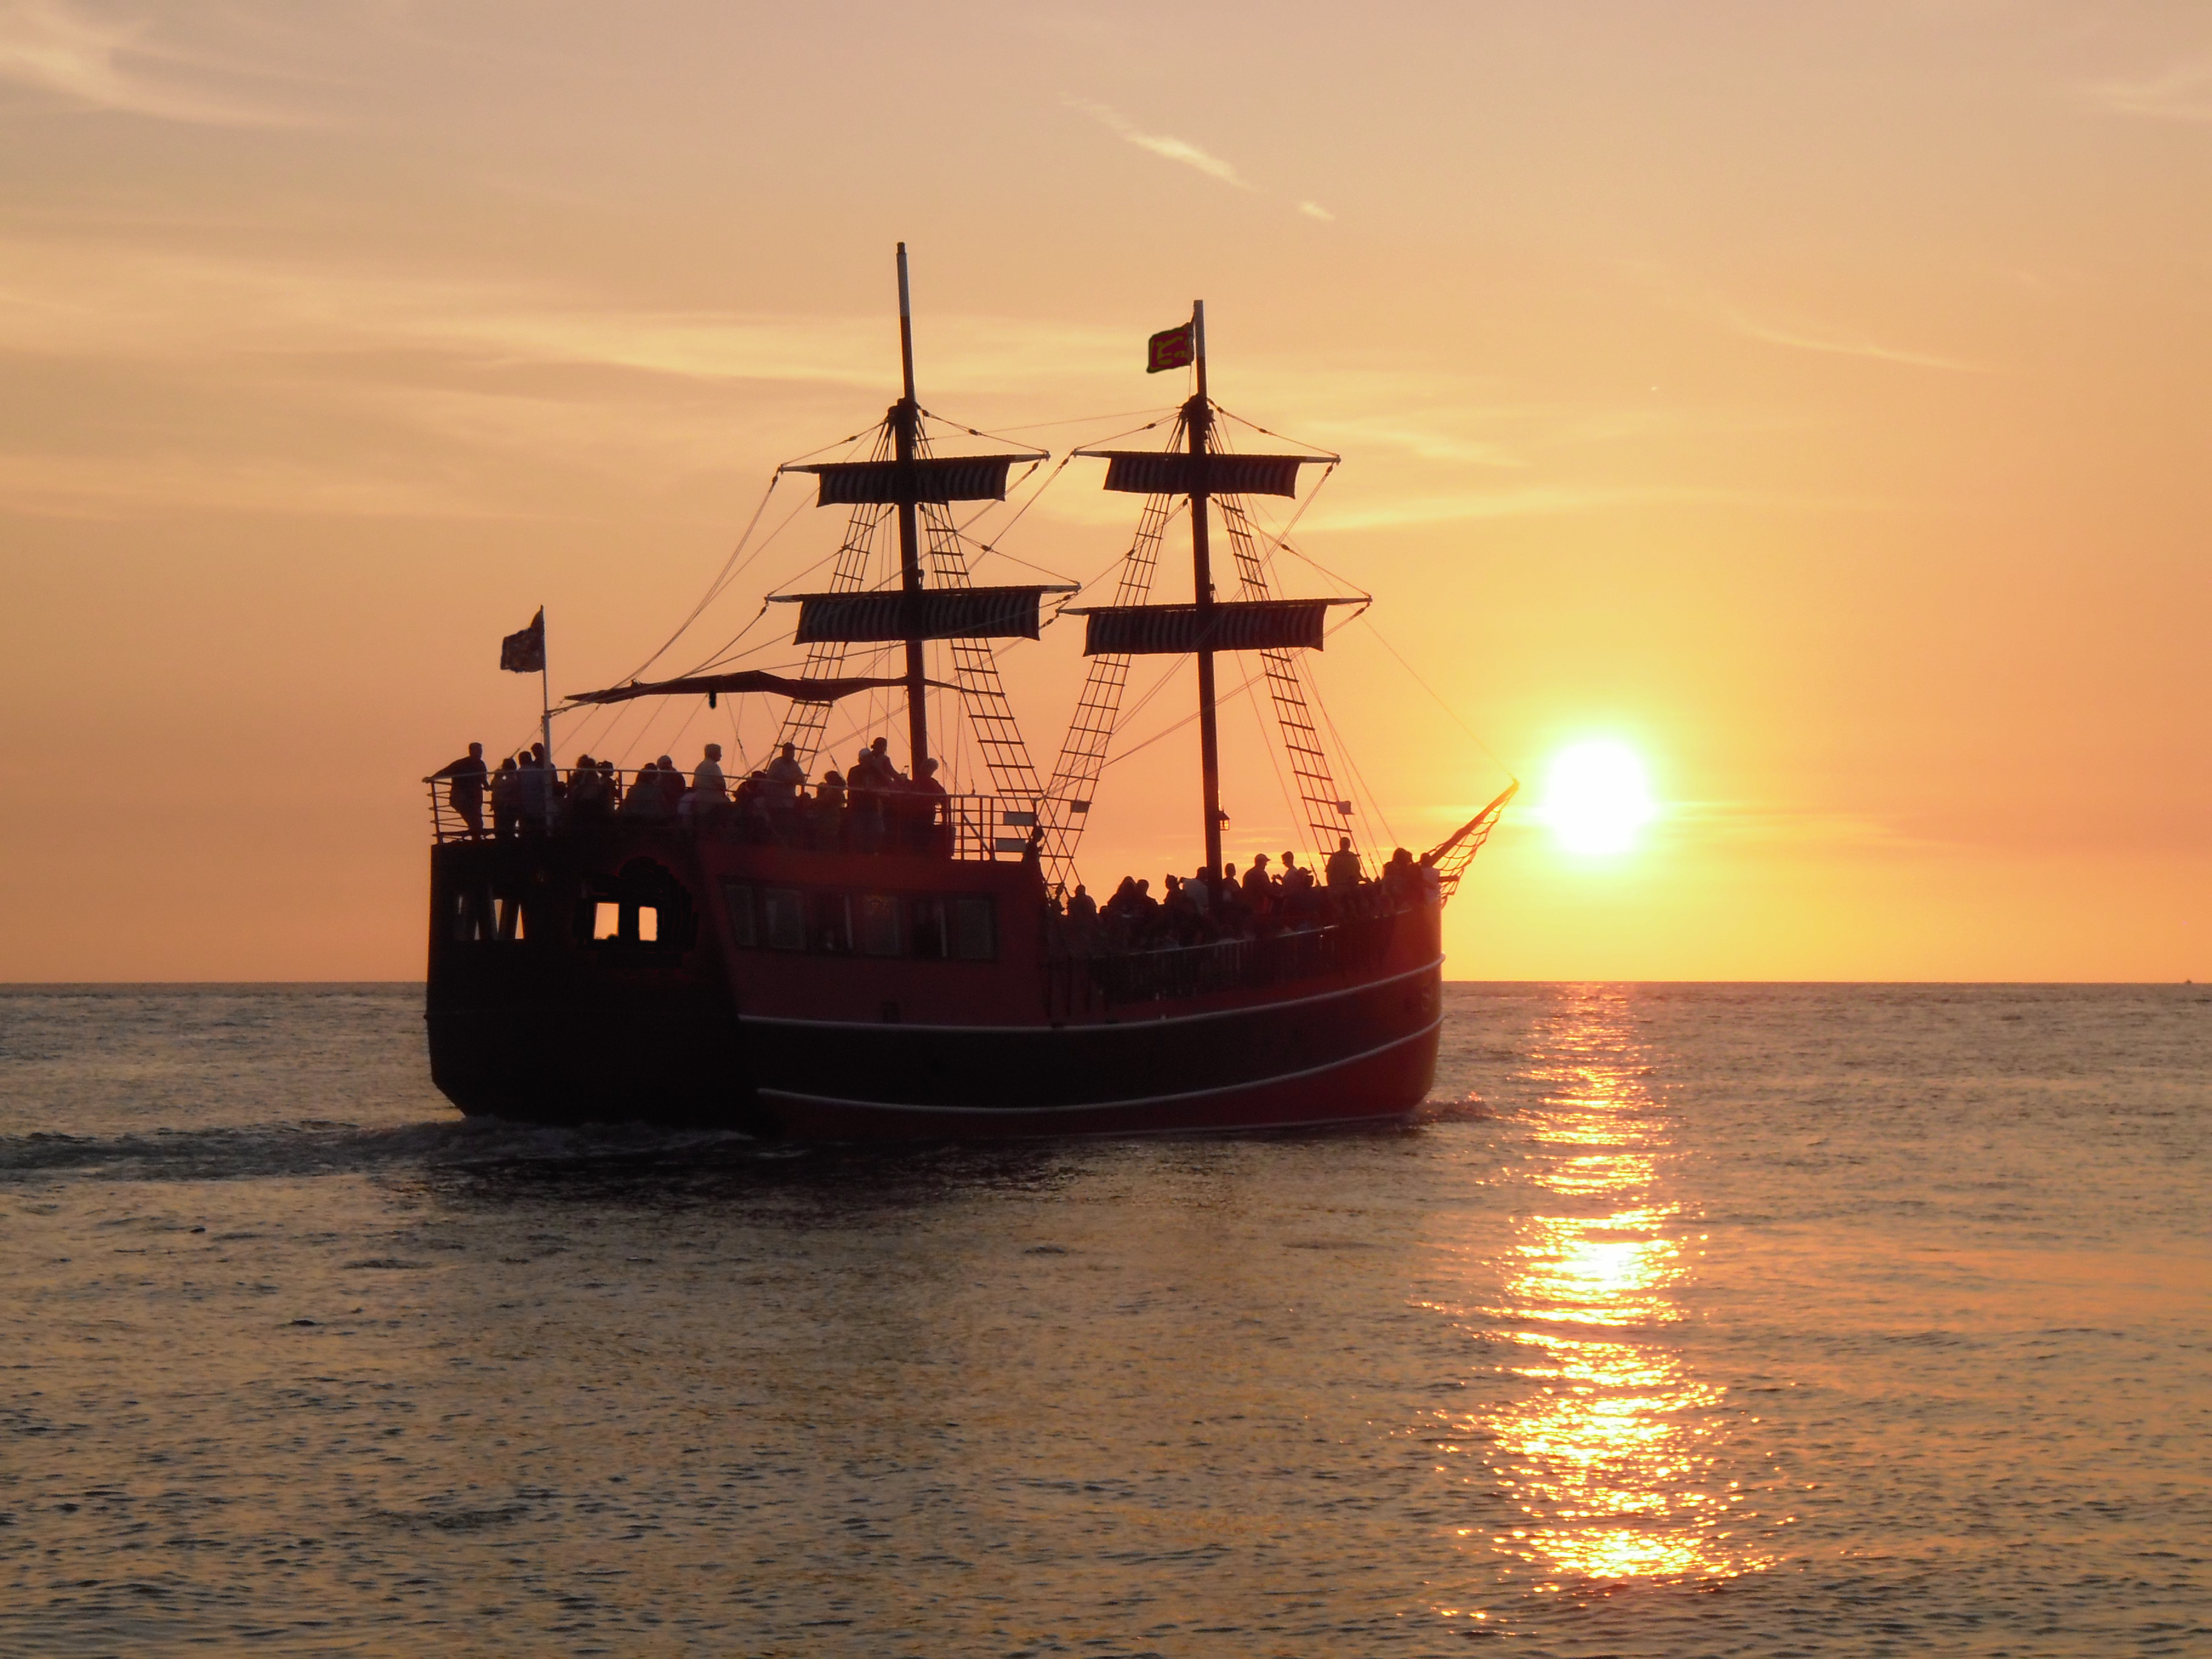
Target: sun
x=1597, y=798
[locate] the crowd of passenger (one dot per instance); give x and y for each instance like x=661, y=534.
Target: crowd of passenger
x=872, y=806
x=1204, y=908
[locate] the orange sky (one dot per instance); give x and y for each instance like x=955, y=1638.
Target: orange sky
x=1815, y=397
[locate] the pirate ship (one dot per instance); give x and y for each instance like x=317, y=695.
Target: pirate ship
x=910, y=969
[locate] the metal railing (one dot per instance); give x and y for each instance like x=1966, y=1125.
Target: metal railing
x=520, y=804
x=1079, y=983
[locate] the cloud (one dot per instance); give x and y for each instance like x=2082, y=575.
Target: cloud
x=1316, y=210
x=1552, y=500
x=1803, y=340
x=123, y=487
x=91, y=299
x=50, y=47
x=2183, y=92
x=1173, y=149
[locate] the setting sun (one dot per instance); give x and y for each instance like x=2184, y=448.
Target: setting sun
x=1596, y=798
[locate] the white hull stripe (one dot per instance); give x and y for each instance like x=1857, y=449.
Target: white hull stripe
x=1093, y=1025
x=1106, y=1105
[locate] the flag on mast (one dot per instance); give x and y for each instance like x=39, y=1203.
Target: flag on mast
x=1172, y=348
x=524, y=653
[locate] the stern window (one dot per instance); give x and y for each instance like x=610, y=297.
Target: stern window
x=738, y=896
x=879, y=925
x=973, y=935
x=833, y=924
x=783, y=919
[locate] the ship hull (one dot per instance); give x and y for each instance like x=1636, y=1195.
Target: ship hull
x=530, y=1018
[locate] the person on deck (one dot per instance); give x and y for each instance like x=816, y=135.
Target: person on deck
x=751, y=808
x=865, y=804
x=1295, y=894
x=506, y=798
x=536, y=791
x=710, y=791
x=825, y=826
x=785, y=774
x=1401, y=884
x=1259, y=887
x=1428, y=880
x=1343, y=867
x=590, y=799
x=933, y=815
x=877, y=758
x=466, y=793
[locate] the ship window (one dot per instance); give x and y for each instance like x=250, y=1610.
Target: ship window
x=738, y=896
x=879, y=925
x=972, y=930
x=648, y=925
x=783, y=919
x=929, y=927
x=606, y=920
x=833, y=924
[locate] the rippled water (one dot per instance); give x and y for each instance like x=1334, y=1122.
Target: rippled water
x=1690, y=1321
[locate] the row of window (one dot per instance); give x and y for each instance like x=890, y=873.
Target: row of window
x=862, y=924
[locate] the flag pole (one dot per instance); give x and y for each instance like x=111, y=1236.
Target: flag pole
x=1198, y=420
x=545, y=690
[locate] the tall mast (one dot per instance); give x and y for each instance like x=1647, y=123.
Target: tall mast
x=906, y=420
x=1198, y=418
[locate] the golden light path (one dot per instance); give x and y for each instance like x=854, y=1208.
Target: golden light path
x=1601, y=1437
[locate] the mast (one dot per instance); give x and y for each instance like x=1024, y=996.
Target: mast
x=1198, y=417
x=906, y=420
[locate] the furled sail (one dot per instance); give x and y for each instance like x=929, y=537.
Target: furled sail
x=1176, y=472
x=925, y=478
x=750, y=679
x=936, y=613
x=1156, y=630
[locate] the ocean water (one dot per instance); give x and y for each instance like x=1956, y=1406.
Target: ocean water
x=1687, y=1321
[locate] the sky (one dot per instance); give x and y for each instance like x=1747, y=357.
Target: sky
x=1813, y=400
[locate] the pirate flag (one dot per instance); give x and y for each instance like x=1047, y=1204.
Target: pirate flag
x=1172, y=348
x=525, y=653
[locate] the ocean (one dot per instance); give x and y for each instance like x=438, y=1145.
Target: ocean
x=1688, y=1319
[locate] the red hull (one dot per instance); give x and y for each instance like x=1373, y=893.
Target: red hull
x=948, y=1021
x=1375, y=1087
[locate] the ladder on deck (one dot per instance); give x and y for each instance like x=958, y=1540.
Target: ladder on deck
x=983, y=703
x=804, y=722
x=1327, y=815
x=1065, y=808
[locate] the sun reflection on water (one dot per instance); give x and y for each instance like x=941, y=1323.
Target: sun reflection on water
x=1602, y=1438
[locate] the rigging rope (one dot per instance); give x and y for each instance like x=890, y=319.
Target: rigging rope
x=1441, y=703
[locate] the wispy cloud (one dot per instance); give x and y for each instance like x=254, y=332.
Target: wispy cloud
x=1161, y=145
x=1553, y=500
x=91, y=299
x=124, y=487
x=1803, y=339
x=50, y=47
x=2183, y=92
x=1316, y=210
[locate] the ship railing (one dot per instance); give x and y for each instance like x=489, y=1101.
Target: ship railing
x=1077, y=983
x=972, y=827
